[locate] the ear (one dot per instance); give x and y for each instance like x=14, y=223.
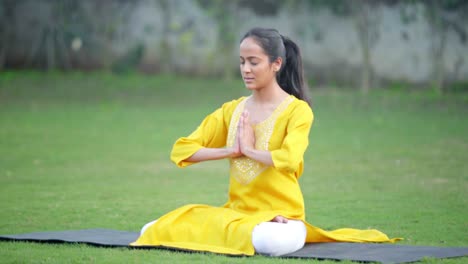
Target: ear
x=277, y=64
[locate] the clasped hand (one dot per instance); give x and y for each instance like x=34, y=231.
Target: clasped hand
x=245, y=137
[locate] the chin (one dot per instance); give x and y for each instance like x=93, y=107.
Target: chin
x=250, y=86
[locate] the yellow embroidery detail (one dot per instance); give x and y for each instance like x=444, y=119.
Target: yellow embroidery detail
x=245, y=169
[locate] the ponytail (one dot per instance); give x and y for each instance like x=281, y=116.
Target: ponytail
x=291, y=75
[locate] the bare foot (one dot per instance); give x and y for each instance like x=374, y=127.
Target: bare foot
x=279, y=219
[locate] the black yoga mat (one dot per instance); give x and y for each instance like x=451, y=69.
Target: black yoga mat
x=362, y=252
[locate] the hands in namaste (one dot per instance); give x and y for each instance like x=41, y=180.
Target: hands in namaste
x=245, y=137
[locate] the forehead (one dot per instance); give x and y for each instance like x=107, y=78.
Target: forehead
x=250, y=48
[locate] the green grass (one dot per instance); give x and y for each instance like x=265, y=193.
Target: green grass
x=91, y=150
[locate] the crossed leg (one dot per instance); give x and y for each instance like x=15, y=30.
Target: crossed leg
x=276, y=239
x=272, y=238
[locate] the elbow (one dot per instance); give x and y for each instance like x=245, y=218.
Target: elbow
x=289, y=165
x=182, y=152
x=182, y=163
x=177, y=159
x=181, y=159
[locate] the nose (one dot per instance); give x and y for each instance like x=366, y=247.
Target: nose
x=245, y=68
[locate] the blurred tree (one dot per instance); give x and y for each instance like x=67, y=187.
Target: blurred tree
x=7, y=26
x=61, y=34
x=264, y=7
x=224, y=12
x=439, y=38
x=173, y=31
x=166, y=60
x=94, y=34
x=365, y=15
x=103, y=25
x=366, y=22
x=129, y=61
x=53, y=32
x=444, y=16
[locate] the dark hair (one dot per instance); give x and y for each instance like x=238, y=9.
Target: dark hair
x=291, y=75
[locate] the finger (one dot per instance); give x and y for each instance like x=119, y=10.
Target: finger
x=241, y=122
x=241, y=132
x=246, y=118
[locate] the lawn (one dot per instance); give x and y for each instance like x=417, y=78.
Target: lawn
x=91, y=150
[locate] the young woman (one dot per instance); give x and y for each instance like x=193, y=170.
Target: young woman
x=264, y=136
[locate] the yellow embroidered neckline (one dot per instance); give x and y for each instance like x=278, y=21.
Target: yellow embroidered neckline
x=244, y=169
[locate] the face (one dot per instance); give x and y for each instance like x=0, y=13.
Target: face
x=255, y=67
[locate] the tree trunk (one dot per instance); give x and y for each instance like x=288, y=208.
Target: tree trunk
x=64, y=51
x=50, y=48
x=3, y=51
x=5, y=37
x=439, y=39
x=362, y=23
x=7, y=27
x=165, y=45
x=226, y=29
x=366, y=67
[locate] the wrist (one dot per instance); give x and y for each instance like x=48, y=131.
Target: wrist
x=248, y=152
x=232, y=152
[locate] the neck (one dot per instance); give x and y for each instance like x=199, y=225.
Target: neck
x=269, y=94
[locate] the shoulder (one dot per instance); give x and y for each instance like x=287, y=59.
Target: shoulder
x=225, y=111
x=300, y=108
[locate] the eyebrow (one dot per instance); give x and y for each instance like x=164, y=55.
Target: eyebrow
x=250, y=57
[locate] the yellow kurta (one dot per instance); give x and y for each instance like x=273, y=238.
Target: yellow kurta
x=257, y=193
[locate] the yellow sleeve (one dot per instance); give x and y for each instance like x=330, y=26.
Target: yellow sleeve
x=289, y=156
x=211, y=133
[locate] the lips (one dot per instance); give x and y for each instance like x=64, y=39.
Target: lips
x=248, y=79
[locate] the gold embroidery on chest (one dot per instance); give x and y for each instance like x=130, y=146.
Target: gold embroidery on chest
x=244, y=169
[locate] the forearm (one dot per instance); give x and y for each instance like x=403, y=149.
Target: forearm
x=261, y=156
x=210, y=154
